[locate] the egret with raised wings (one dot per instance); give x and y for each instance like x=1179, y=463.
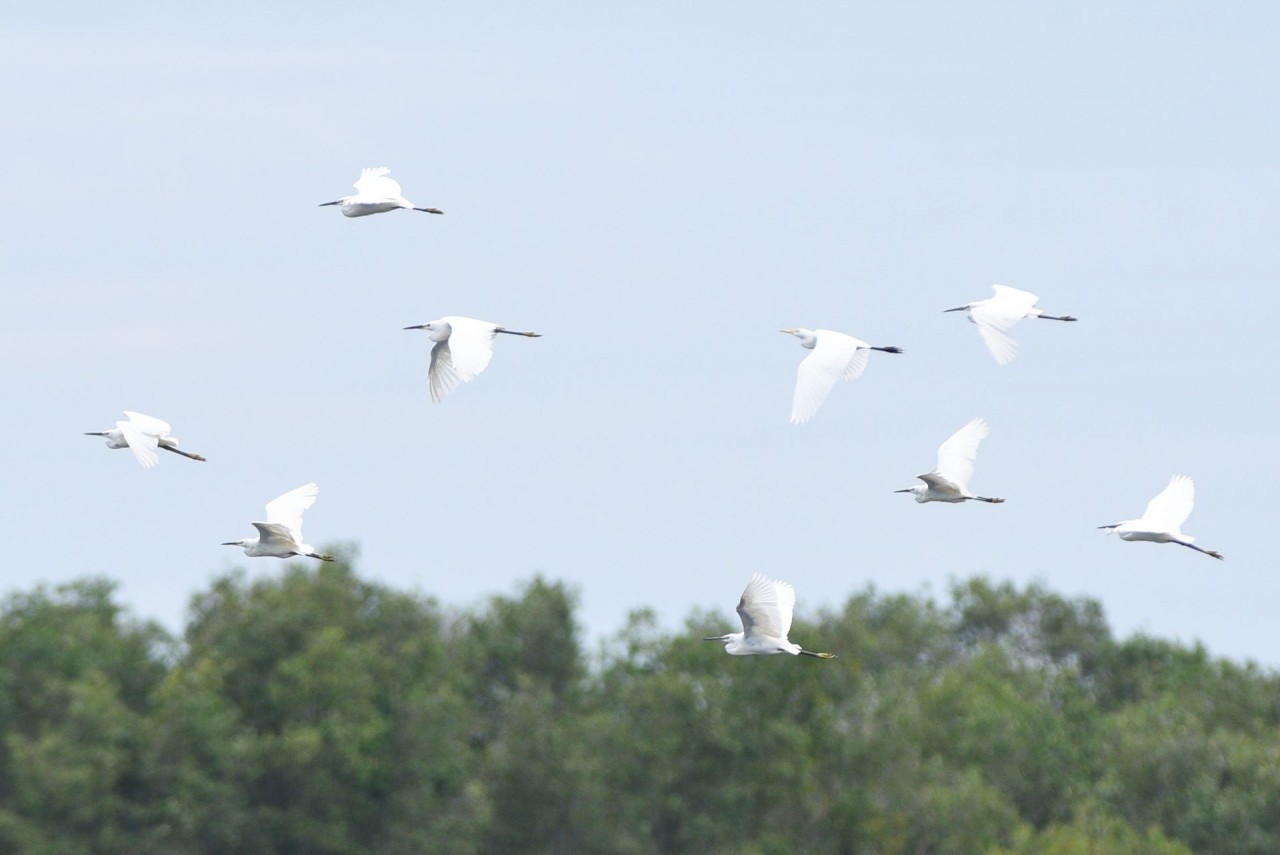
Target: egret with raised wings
x=143, y=435
x=949, y=482
x=376, y=193
x=832, y=356
x=1162, y=521
x=765, y=609
x=281, y=535
x=463, y=348
x=996, y=315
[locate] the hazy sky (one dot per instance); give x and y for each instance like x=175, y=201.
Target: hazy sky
x=658, y=188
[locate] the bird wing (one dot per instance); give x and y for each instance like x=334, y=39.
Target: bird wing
x=441, y=376
x=1169, y=510
x=275, y=534
x=287, y=510
x=376, y=182
x=141, y=443
x=148, y=424
x=995, y=317
x=835, y=356
x=939, y=484
x=766, y=607
x=470, y=346
x=956, y=456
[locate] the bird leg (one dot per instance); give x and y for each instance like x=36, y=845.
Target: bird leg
x=985, y=499
x=889, y=349
x=427, y=210
x=1217, y=555
x=817, y=655
x=321, y=557
x=1057, y=318
x=514, y=332
x=184, y=453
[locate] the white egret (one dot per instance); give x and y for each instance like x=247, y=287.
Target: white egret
x=1162, y=521
x=281, y=535
x=997, y=315
x=950, y=481
x=833, y=356
x=376, y=193
x=462, y=351
x=765, y=609
x=143, y=435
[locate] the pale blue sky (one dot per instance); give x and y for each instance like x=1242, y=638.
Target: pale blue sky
x=658, y=189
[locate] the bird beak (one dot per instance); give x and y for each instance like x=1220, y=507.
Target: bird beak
x=956, y=309
x=230, y=543
x=715, y=638
x=417, y=327
x=335, y=202
x=908, y=490
x=788, y=332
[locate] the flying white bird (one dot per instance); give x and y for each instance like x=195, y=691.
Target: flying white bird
x=281, y=535
x=765, y=609
x=833, y=356
x=950, y=481
x=1162, y=521
x=462, y=351
x=143, y=435
x=997, y=315
x=376, y=193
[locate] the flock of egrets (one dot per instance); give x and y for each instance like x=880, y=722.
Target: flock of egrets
x=463, y=348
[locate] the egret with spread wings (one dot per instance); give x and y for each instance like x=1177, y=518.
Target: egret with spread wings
x=376, y=193
x=143, y=435
x=995, y=316
x=765, y=609
x=1162, y=521
x=281, y=535
x=463, y=348
x=949, y=482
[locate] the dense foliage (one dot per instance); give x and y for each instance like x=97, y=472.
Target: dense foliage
x=318, y=713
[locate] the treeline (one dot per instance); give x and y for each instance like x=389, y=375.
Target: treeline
x=314, y=712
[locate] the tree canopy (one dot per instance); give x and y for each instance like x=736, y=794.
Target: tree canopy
x=314, y=712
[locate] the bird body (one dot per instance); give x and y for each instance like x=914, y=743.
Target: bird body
x=1162, y=521
x=376, y=193
x=833, y=356
x=143, y=435
x=995, y=316
x=765, y=609
x=463, y=348
x=949, y=482
x=281, y=535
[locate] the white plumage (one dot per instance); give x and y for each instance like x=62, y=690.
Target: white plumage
x=143, y=435
x=949, y=482
x=376, y=193
x=765, y=609
x=832, y=356
x=463, y=348
x=281, y=535
x=1162, y=521
x=996, y=315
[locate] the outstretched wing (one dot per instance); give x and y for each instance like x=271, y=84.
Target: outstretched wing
x=995, y=317
x=834, y=357
x=149, y=424
x=287, y=510
x=470, y=346
x=1169, y=510
x=275, y=535
x=766, y=607
x=375, y=182
x=441, y=376
x=142, y=443
x=956, y=456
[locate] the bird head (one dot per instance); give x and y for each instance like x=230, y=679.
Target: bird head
x=807, y=338
x=436, y=330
